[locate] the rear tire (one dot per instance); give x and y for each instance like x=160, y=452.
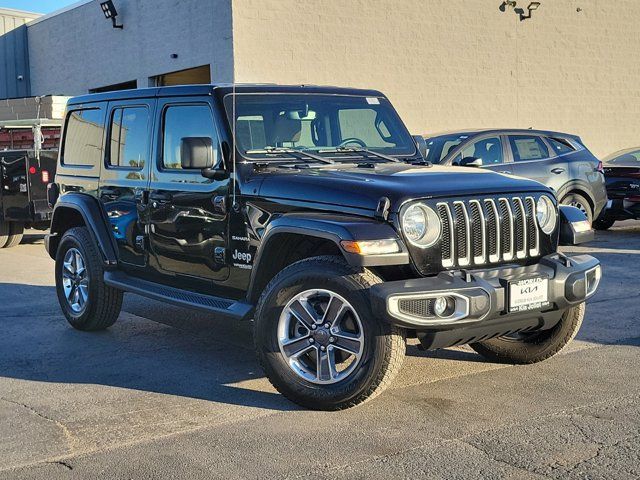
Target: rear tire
x=578, y=201
x=298, y=372
x=91, y=305
x=603, y=223
x=535, y=346
x=16, y=232
x=4, y=233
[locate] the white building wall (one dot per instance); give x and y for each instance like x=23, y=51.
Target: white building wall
x=78, y=50
x=450, y=64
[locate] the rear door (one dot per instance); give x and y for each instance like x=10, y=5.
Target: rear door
x=534, y=159
x=188, y=217
x=124, y=183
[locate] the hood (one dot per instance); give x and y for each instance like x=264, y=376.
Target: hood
x=360, y=187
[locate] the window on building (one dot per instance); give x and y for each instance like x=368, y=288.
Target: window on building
x=83, y=137
x=528, y=147
x=129, y=137
x=181, y=121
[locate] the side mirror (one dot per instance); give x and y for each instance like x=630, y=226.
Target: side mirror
x=421, y=143
x=471, y=162
x=214, y=173
x=196, y=153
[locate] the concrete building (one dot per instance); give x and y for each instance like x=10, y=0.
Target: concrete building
x=571, y=65
x=14, y=76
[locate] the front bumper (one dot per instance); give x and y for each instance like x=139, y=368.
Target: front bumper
x=483, y=308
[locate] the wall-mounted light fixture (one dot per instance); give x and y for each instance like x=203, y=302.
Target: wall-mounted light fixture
x=530, y=8
x=110, y=12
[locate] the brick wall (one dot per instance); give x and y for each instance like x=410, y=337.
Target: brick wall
x=450, y=64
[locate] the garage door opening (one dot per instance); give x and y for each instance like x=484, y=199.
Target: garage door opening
x=190, y=76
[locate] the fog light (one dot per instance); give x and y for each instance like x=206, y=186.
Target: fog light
x=592, y=279
x=444, y=306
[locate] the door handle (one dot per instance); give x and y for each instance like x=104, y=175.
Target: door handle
x=557, y=171
x=506, y=171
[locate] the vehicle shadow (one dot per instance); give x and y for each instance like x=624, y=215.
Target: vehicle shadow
x=215, y=363
x=32, y=238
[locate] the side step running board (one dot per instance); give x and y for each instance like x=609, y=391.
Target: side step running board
x=233, y=309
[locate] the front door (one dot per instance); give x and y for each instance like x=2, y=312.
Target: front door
x=124, y=180
x=491, y=150
x=188, y=217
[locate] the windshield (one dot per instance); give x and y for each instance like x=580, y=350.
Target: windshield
x=629, y=158
x=317, y=123
x=439, y=147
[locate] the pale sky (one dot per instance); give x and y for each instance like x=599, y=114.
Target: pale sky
x=38, y=6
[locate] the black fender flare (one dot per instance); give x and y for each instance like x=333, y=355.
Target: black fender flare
x=334, y=228
x=95, y=219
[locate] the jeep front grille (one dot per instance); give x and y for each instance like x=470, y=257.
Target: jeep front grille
x=494, y=230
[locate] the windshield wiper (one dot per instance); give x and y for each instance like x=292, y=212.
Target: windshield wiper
x=366, y=151
x=291, y=151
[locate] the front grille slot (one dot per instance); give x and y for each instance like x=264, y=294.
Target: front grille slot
x=488, y=231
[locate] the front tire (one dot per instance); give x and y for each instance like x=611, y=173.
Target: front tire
x=86, y=301
x=318, y=340
x=533, y=347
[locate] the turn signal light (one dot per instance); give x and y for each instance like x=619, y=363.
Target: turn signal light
x=45, y=176
x=371, y=247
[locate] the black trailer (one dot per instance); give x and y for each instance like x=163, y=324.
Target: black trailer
x=24, y=177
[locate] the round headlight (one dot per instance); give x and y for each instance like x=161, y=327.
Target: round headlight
x=547, y=214
x=421, y=225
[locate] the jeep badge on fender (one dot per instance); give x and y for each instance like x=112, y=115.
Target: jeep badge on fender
x=327, y=228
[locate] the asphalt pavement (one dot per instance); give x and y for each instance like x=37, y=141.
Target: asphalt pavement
x=167, y=393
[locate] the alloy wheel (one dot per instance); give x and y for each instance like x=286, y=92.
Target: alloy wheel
x=321, y=336
x=75, y=280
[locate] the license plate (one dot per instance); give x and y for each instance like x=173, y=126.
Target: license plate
x=528, y=294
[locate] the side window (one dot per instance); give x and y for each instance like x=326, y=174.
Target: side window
x=181, y=121
x=487, y=149
x=250, y=131
x=528, y=147
x=360, y=123
x=83, y=137
x=129, y=137
x=560, y=145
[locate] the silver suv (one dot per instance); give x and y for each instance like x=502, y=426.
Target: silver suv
x=559, y=160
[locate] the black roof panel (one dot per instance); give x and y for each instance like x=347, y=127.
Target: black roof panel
x=224, y=88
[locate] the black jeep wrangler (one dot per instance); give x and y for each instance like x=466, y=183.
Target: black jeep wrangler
x=311, y=211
